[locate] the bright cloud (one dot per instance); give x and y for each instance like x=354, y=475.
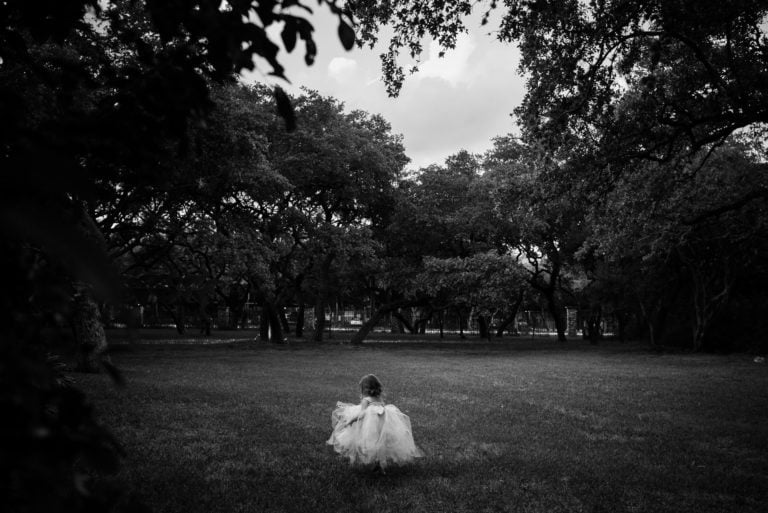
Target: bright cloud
x=341, y=69
x=453, y=66
x=458, y=101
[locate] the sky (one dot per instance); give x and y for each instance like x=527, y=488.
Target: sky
x=460, y=101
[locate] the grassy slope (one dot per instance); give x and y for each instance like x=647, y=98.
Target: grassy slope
x=558, y=428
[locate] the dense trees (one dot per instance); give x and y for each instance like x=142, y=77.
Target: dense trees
x=444, y=215
x=131, y=156
x=342, y=168
x=634, y=109
x=621, y=89
x=690, y=254
x=543, y=215
x=97, y=100
x=275, y=215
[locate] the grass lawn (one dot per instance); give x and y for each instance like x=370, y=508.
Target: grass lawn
x=505, y=427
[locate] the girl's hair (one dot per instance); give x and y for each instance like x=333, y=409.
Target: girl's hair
x=370, y=386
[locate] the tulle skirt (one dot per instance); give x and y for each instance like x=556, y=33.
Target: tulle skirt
x=383, y=435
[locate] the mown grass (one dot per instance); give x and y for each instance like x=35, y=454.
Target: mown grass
x=532, y=427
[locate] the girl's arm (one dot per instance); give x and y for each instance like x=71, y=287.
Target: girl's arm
x=363, y=405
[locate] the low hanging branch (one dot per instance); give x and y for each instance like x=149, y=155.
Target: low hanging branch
x=359, y=337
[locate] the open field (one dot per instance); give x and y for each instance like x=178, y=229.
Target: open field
x=516, y=427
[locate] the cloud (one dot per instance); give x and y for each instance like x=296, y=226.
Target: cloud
x=456, y=102
x=454, y=64
x=439, y=119
x=342, y=69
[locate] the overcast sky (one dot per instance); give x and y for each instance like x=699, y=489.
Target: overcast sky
x=456, y=102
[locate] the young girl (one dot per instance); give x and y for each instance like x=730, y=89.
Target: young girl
x=372, y=432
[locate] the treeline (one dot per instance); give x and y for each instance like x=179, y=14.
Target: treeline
x=644, y=124
x=326, y=213
x=233, y=207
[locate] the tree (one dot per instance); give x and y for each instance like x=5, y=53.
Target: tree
x=672, y=75
x=695, y=233
x=487, y=283
x=89, y=96
x=443, y=212
x=95, y=92
x=544, y=216
x=342, y=169
x=617, y=93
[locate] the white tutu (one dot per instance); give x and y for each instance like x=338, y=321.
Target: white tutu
x=382, y=435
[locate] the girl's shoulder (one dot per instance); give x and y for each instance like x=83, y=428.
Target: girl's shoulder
x=391, y=408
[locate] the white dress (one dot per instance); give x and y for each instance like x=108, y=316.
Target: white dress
x=382, y=434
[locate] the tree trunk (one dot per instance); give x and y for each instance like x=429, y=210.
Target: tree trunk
x=461, y=324
x=654, y=318
x=271, y=329
x=395, y=326
x=421, y=323
x=89, y=330
x=359, y=337
x=404, y=322
x=275, y=326
x=180, y=318
x=206, y=321
x=205, y=325
x=548, y=288
x=593, y=331
x=323, y=294
x=646, y=320
x=711, y=292
x=86, y=322
x=319, y=320
x=510, y=319
x=483, y=328
x=622, y=320
x=300, y=321
x=283, y=320
x=557, y=314
x=264, y=331
x=237, y=314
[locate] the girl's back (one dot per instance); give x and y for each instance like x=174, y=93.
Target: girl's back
x=372, y=432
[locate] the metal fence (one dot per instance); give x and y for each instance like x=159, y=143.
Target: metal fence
x=342, y=318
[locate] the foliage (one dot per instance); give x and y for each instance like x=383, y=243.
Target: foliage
x=706, y=227
x=341, y=169
x=653, y=78
x=411, y=21
x=50, y=443
x=280, y=217
x=97, y=101
x=195, y=240
x=543, y=215
x=645, y=78
x=486, y=282
x=630, y=112
x=442, y=213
